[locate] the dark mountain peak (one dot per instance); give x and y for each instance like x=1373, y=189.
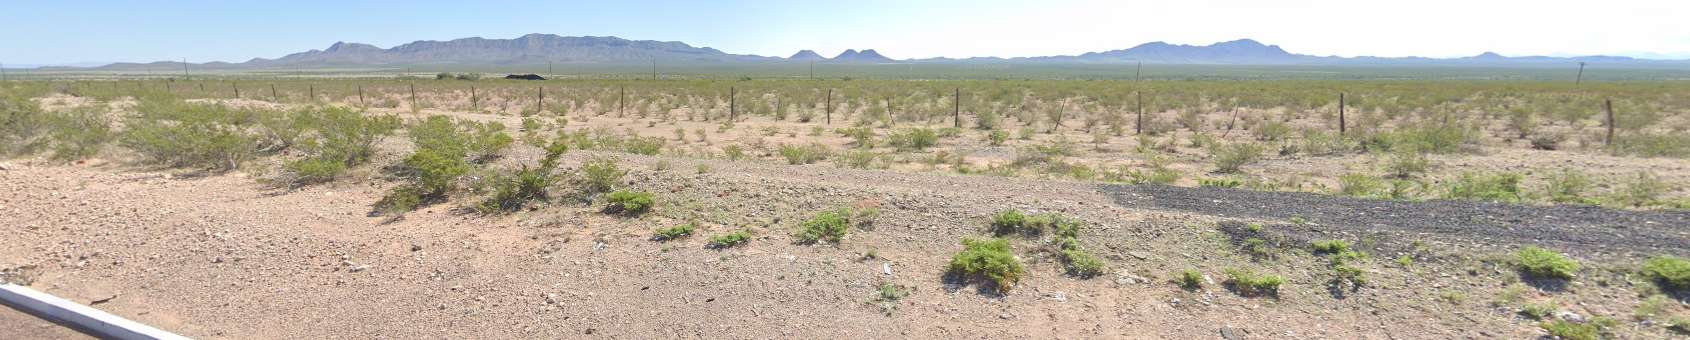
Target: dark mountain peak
x=806, y=55
x=342, y=46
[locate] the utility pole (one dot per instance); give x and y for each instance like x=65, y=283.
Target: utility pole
x=184, y=68
x=2, y=71
x=1580, y=79
x=812, y=70
x=548, y=67
x=1138, y=74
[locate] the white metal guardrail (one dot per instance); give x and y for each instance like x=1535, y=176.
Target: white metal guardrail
x=76, y=316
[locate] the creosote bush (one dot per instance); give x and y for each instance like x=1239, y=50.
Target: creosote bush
x=335, y=139
x=827, y=226
x=178, y=134
x=600, y=174
x=805, y=154
x=676, y=232
x=1671, y=272
x=1543, y=263
x=729, y=240
x=913, y=139
x=1249, y=283
x=629, y=202
x=1229, y=158
x=1189, y=279
x=990, y=259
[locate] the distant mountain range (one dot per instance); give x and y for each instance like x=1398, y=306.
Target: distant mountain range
x=546, y=48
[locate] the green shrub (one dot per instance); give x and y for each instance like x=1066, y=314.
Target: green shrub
x=1229, y=158
x=335, y=139
x=77, y=134
x=861, y=137
x=830, y=226
x=1190, y=279
x=729, y=240
x=916, y=139
x=1538, y=311
x=1568, y=187
x=21, y=124
x=1405, y=163
x=997, y=137
x=1330, y=246
x=1675, y=145
x=643, y=146
x=1219, y=182
x=1671, y=272
x=512, y=192
x=1503, y=187
x=1569, y=330
x=990, y=259
x=629, y=202
x=600, y=174
x=1360, y=185
x=1008, y=221
x=185, y=135
x=1249, y=283
x=403, y=198
x=804, y=154
x=675, y=232
x=1544, y=263
x=1346, y=274
x=1644, y=190
x=1081, y=264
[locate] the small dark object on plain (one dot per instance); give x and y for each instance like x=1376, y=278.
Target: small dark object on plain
x=529, y=76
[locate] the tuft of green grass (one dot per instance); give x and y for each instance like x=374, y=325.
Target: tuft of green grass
x=1249, y=283
x=676, y=232
x=729, y=240
x=1538, y=311
x=629, y=202
x=990, y=259
x=1219, y=182
x=886, y=295
x=1544, y=263
x=1671, y=272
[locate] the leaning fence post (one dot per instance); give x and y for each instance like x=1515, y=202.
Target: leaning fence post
x=829, y=106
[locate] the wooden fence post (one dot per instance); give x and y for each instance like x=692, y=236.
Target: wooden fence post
x=1608, y=105
x=829, y=106
x=414, y=106
x=731, y=113
x=361, y=96
x=237, y=86
x=273, y=96
x=956, y=107
x=1139, y=127
x=311, y=92
x=472, y=98
x=1341, y=125
x=622, y=97
x=540, y=106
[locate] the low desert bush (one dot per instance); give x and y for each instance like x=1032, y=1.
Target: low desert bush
x=1568, y=187
x=827, y=226
x=804, y=154
x=729, y=240
x=1671, y=272
x=915, y=139
x=989, y=259
x=1189, y=279
x=1329, y=246
x=1543, y=263
x=629, y=202
x=1229, y=158
x=1503, y=187
x=1249, y=283
x=676, y=232
x=1569, y=330
x=186, y=135
x=600, y=174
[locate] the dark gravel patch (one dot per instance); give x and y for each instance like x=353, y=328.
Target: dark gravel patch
x=1576, y=229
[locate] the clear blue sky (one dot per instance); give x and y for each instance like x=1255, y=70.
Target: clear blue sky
x=47, y=32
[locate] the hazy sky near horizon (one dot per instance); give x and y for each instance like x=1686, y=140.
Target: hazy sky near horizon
x=60, y=32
